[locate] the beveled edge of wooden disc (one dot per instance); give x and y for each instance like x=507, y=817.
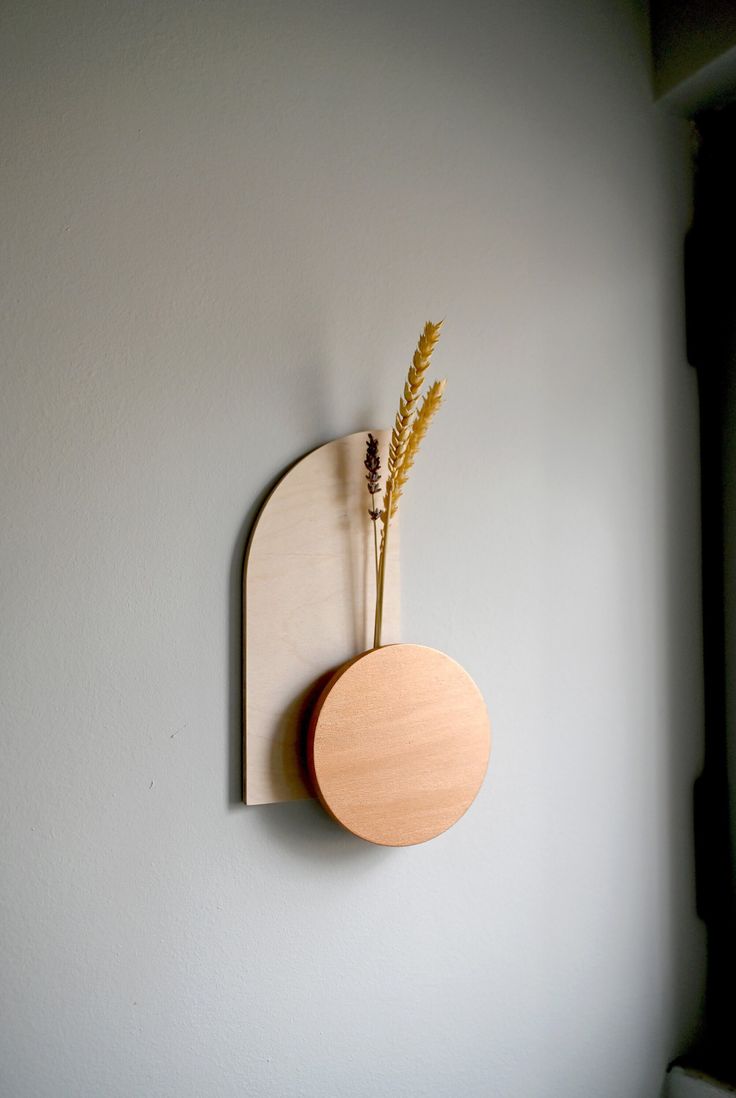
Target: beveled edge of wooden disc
x=312, y=734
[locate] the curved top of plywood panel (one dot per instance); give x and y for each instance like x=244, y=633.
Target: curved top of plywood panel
x=308, y=603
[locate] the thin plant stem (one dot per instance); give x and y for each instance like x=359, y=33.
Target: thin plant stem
x=382, y=571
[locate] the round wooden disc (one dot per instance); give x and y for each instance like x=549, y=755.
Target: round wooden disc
x=398, y=744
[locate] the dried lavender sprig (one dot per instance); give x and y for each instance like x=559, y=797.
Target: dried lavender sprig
x=373, y=465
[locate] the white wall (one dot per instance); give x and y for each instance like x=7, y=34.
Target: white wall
x=223, y=226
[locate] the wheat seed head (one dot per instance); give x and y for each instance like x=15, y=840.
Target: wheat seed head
x=412, y=387
x=419, y=428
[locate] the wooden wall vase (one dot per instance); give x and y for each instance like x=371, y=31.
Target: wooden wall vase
x=398, y=744
x=394, y=740
x=308, y=598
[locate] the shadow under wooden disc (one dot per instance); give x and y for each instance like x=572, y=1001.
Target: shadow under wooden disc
x=399, y=744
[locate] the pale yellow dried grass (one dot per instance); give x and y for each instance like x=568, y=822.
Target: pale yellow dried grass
x=427, y=411
x=412, y=387
x=408, y=432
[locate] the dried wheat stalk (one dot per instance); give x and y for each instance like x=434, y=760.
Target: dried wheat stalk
x=420, y=363
x=427, y=410
x=409, y=430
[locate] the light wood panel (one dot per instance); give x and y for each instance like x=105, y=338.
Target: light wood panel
x=308, y=592
x=398, y=744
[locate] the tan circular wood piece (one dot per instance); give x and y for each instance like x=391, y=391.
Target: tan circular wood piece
x=398, y=744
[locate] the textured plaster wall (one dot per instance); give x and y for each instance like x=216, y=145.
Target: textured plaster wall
x=223, y=224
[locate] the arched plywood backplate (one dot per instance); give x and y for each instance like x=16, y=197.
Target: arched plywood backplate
x=308, y=606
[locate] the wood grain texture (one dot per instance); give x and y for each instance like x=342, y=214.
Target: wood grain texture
x=308, y=604
x=398, y=744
